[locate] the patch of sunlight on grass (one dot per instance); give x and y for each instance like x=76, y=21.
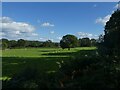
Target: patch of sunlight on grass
x=5, y=78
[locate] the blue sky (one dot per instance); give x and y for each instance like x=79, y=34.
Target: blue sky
x=43, y=21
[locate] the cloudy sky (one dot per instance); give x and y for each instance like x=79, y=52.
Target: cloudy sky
x=43, y=21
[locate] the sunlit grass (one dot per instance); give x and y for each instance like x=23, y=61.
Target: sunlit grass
x=5, y=78
x=44, y=59
x=39, y=52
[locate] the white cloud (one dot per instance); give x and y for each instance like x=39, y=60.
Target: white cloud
x=16, y=30
x=6, y=20
x=84, y=35
x=47, y=24
x=2, y=34
x=112, y=11
x=42, y=39
x=59, y=38
x=96, y=35
x=34, y=34
x=51, y=39
x=103, y=20
x=116, y=6
x=52, y=32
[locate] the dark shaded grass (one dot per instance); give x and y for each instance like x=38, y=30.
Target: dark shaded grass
x=13, y=65
x=44, y=72
x=61, y=54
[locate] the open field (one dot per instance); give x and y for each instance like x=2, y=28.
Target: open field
x=46, y=60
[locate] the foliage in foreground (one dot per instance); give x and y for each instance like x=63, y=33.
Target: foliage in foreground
x=91, y=73
x=30, y=78
x=83, y=72
x=110, y=43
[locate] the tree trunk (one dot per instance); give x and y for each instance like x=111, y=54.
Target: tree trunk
x=68, y=48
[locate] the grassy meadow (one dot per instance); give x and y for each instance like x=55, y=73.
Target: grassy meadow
x=45, y=60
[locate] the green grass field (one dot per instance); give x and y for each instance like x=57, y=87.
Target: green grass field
x=44, y=59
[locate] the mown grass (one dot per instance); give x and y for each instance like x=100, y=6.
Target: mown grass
x=45, y=60
x=39, y=52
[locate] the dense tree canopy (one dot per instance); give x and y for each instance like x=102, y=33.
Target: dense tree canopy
x=69, y=41
x=93, y=42
x=48, y=43
x=4, y=45
x=12, y=44
x=21, y=43
x=85, y=42
x=111, y=40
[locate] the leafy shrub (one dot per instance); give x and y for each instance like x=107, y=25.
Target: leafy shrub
x=30, y=78
x=91, y=73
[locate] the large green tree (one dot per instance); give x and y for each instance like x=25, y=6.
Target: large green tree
x=4, y=43
x=93, y=42
x=69, y=41
x=21, y=43
x=12, y=44
x=85, y=42
x=48, y=43
x=111, y=42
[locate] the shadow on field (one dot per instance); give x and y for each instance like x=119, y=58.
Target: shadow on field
x=46, y=50
x=61, y=54
x=78, y=53
x=13, y=65
x=86, y=53
x=37, y=72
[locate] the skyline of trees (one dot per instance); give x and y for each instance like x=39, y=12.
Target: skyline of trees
x=21, y=43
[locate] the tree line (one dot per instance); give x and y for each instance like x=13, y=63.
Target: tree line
x=71, y=41
x=21, y=43
x=68, y=41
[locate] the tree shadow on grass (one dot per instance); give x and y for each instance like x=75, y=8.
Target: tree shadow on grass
x=13, y=65
x=46, y=50
x=60, y=54
x=74, y=54
x=37, y=67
